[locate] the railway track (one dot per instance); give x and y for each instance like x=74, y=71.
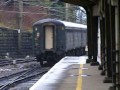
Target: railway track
x=5, y=62
x=21, y=77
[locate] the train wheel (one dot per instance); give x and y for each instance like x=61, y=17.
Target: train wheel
x=39, y=59
x=41, y=63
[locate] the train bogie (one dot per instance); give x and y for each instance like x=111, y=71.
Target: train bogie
x=53, y=39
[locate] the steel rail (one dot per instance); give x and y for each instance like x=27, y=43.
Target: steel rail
x=24, y=77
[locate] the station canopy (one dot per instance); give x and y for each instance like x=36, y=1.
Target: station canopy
x=81, y=2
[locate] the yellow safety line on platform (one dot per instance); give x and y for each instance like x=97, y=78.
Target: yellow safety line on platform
x=79, y=80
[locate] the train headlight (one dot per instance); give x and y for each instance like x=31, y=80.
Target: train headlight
x=36, y=28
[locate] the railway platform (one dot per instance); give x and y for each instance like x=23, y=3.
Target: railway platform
x=72, y=73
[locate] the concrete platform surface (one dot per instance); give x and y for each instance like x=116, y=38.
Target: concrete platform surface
x=72, y=73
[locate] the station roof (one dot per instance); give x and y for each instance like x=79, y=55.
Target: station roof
x=81, y=2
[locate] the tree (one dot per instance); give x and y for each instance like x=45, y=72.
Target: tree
x=81, y=15
x=9, y=2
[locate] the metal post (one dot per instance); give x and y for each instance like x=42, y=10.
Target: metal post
x=94, y=40
x=102, y=31
x=20, y=4
x=112, y=37
x=118, y=46
x=108, y=79
x=102, y=54
x=89, y=34
x=103, y=48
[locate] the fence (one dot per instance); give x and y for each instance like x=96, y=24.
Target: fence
x=9, y=43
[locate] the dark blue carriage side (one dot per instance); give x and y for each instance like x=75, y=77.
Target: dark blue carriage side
x=75, y=41
x=64, y=39
x=60, y=39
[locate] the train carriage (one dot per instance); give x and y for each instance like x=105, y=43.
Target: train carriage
x=53, y=39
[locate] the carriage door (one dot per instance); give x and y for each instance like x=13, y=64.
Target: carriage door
x=49, y=37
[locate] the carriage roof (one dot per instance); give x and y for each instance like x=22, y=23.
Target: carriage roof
x=60, y=22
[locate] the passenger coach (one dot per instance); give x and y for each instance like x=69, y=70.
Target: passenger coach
x=53, y=39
